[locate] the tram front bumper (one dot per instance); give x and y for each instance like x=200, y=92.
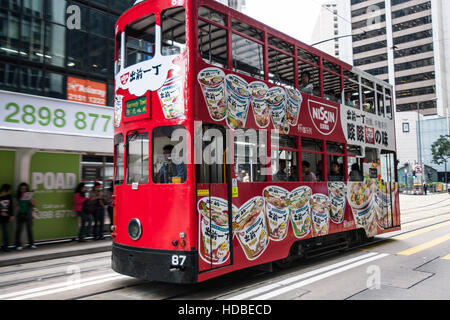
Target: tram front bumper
x=156, y=265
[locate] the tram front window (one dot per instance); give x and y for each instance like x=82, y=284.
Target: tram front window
x=169, y=156
x=140, y=40
x=137, y=158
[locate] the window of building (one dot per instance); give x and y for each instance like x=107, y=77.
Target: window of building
x=137, y=157
x=140, y=40
x=405, y=126
x=169, y=155
x=173, y=31
x=285, y=166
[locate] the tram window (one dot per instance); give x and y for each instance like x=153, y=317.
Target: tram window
x=308, y=57
x=387, y=164
x=380, y=100
x=173, y=31
x=308, y=78
x=213, y=44
x=169, y=155
x=249, y=150
x=248, y=57
x=354, y=169
x=331, y=66
x=248, y=30
x=371, y=155
x=368, y=96
x=335, y=147
x=212, y=15
x=285, y=166
x=137, y=158
x=332, y=87
x=355, y=151
x=118, y=64
x=312, y=145
x=389, y=109
x=335, y=166
x=281, y=68
x=280, y=44
x=351, y=93
x=211, y=167
x=140, y=40
x=119, y=152
x=312, y=167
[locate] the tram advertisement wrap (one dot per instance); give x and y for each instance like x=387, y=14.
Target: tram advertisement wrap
x=278, y=214
x=53, y=179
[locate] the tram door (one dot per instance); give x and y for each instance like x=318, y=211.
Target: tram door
x=387, y=197
x=214, y=206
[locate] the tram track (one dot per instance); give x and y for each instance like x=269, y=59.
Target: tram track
x=188, y=291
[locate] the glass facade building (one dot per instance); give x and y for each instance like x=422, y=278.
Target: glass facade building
x=42, y=42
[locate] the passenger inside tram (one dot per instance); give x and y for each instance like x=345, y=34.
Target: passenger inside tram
x=171, y=172
x=306, y=86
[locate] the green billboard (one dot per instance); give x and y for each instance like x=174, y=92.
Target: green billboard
x=53, y=179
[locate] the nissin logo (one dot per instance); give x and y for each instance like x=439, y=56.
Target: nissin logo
x=323, y=116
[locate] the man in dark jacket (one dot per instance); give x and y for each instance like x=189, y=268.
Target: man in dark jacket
x=6, y=213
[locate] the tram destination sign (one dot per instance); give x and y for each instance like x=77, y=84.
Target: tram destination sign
x=136, y=107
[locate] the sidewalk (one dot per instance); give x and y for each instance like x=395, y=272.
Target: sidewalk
x=53, y=251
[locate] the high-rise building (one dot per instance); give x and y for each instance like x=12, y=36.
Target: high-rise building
x=407, y=42
x=331, y=31
x=56, y=94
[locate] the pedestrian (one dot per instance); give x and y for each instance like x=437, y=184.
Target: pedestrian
x=98, y=200
x=425, y=188
x=80, y=204
x=108, y=202
x=6, y=213
x=25, y=205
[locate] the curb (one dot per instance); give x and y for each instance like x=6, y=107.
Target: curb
x=54, y=255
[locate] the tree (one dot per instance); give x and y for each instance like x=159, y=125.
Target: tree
x=441, y=152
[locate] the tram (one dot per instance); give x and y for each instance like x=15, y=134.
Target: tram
x=238, y=146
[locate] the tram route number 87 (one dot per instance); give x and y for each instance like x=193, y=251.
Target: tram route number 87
x=178, y=261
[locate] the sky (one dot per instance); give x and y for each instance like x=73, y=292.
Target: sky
x=296, y=18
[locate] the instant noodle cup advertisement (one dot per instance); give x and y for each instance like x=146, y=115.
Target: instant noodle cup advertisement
x=238, y=101
x=294, y=103
x=300, y=211
x=118, y=104
x=320, y=211
x=360, y=196
x=337, y=192
x=384, y=203
x=212, y=82
x=172, y=98
x=276, y=99
x=214, y=230
x=249, y=225
x=277, y=212
x=259, y=103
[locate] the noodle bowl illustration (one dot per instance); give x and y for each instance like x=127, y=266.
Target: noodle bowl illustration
x=212, y=82
x=300, y=211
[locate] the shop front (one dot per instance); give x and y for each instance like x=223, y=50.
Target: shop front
x=51, y=145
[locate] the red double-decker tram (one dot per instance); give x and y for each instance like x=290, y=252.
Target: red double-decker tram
x=238, y=146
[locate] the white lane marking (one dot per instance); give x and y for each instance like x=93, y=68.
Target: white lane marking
x=248, y=294
x=54, y=286
x=68, y=288
x=316, y=278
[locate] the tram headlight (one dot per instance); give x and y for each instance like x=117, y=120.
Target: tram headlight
x=135, y=229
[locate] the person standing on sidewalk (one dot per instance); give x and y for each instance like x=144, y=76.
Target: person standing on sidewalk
x=108, y=202
x=425, y=188
x=25, y=207
x=6, y=213
x=96, y=196
x=79, y=206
